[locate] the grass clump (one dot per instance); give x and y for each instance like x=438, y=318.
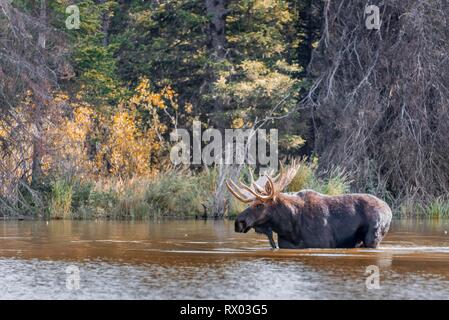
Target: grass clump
x=304, y=178
x=332, y=182
x=176, y=193
x=338, y=182
x=60, y=205
x=436, y=208
x=179, y=194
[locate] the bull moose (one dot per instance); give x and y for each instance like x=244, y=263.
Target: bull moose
x=308, y=219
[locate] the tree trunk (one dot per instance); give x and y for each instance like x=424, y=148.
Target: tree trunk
x=221, y=200
x=36, y=175
x=105, y=25
x=308, y=26
x=36, y=167
x=216, y=11
x=43, y=20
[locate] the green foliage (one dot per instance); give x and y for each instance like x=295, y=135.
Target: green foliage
x=437, y=208
x=60, y=204
x=338, y=182
x=169, y=41
x=179, y=194
x=94, y=50
x=103, y=198
x=261, y=73
x=333, y=182
x=290, y=142
x=259, y=28
x=304, y=179
x=81, y=194
x=174, y=193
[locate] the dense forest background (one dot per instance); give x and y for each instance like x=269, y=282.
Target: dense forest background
x=86, y=112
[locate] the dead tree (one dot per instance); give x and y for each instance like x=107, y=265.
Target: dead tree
x=380, y=98
x=29, y=71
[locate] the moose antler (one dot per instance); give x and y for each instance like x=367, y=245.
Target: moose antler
x=237, y=192
x=287, y=175
x=273, y=186
x=253, y=183
x=258, y=192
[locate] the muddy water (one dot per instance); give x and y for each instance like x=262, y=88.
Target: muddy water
x=207, y=260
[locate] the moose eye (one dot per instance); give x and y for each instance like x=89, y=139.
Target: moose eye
x=259, y=206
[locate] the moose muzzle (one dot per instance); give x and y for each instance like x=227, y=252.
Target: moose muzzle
x=241, y=225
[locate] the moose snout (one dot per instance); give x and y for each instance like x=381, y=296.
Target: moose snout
x=241, y=225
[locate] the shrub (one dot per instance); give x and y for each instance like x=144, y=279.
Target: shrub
x=333, y=182
x=60, y=206
x=179, y=193
x=437, y=208
x=337, y=183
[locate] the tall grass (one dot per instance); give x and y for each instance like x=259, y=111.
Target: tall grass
x=60, y=206
x=332, y=182
x=173, y=193
x=180, y=194
x=437, y=208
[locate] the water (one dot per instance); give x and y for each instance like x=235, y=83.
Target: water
x=207, y=260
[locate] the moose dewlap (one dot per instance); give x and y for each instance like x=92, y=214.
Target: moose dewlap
x=308, y=219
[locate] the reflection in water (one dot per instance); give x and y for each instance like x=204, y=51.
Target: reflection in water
x=207, y=260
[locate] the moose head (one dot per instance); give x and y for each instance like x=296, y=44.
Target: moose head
x=264, y=198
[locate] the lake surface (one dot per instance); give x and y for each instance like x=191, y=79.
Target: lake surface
x=208, y=260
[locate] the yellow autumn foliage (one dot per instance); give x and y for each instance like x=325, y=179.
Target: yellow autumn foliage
x=124, y=143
